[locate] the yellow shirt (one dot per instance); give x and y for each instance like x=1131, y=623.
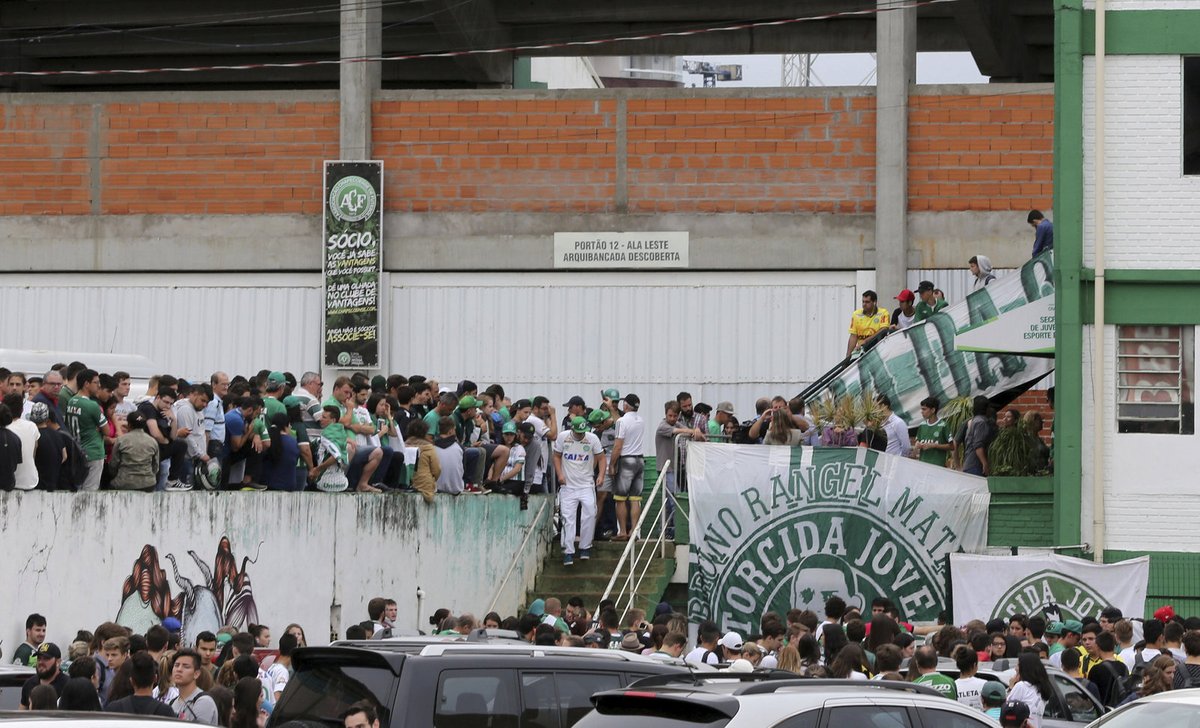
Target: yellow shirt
x=864, y=327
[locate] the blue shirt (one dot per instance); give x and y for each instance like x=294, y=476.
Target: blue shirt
x=1043, y=239
x=235, y=426
x=214, y=419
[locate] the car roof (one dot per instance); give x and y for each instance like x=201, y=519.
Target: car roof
x=1186, y=696
x=775, y=698
x=78, y=719
x=391, y=654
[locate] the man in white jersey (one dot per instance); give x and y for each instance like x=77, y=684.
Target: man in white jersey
x=576, y=453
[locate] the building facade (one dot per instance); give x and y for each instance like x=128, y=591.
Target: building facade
x=1127, y=187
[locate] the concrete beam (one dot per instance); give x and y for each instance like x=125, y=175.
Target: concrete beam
x=448, y=242
x=474, y=25
x=896, y=63
x=361, y=37
x=996, y=41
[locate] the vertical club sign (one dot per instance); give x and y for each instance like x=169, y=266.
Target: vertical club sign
x=352, y=260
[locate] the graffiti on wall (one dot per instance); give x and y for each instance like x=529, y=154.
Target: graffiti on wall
x=208, y=597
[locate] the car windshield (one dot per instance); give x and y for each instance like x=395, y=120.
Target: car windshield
x=1157, y=714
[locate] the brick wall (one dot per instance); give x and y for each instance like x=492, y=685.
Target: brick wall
x=1034, y=400
x=680, y=152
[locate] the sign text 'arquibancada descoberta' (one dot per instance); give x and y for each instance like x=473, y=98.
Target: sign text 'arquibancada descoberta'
x=776, y=528
x=352, y=258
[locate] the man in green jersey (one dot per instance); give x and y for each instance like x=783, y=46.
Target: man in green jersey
x=933, y=435
x=926, y=659
x=928, y=303
x=84, y=419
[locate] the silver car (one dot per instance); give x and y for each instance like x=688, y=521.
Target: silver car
x=1172, y=709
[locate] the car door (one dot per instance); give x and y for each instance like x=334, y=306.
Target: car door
x=560, y=699
x=866, y=714
x=476, y=699
x=938, y=718
x=1072, y=705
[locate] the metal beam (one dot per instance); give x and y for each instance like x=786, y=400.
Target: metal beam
x=471, y=26
x=994, y=38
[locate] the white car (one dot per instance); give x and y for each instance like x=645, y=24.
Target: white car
x=750, y=701
x=1172, y=709
x=68, y=719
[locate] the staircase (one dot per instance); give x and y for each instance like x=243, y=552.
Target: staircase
x=587, y=579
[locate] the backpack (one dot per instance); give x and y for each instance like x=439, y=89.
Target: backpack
x=1133, y=682
x=75, y=470
x=1183, y=676
x=1117, y=689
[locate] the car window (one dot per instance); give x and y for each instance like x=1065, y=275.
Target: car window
x=539, y=703
x=575, y=690
x=323, y=692
x=1079, y=706
x=934, y=718
x=807, y=719
x=869, y=716
x=476, y=699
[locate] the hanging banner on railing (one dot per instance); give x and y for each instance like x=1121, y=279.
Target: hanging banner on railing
x=352, y=261
x=1063, y=587
x=777, y=528
x=925, y=359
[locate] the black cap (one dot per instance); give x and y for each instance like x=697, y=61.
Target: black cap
x=48, y=650
x=1014, y=713
x=925, y=286
x=594, y=638
x=575, y=401
x=526, y=428
x=521, y=404
x=633, y=399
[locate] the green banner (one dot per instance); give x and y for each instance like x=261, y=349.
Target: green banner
x=925, y=360
x=352, y=261
x=776, y=528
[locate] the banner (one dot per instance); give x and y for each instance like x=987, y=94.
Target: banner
x=776, y=528
x=352, y=260
x=985, y=587
x=1026, y=330
x=924, y=360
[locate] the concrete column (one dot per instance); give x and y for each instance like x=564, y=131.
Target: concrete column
x=362, y=37
x=896, y=58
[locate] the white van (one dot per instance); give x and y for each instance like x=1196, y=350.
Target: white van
x=36, y=362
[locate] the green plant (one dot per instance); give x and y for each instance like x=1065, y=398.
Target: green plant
x=1011, y=452
x=956, y=413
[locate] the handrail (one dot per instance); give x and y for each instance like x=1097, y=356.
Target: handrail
x=633, y=536
x=519, y=553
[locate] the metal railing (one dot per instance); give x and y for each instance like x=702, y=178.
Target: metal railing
x=533, y=527
x=641, y=560
x=681, y=442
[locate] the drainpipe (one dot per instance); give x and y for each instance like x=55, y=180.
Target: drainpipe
x=1100, y=423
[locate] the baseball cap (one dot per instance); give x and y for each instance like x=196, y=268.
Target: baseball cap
x=575, y=401
x=702, y=408
x=598, y=415
x=1072, y=625
x=526, y=429
x=740, y=665
x=732, y=640
x=612, y=394
x=633, y=399
x=925, y=286
x=993, y=691
x=509, y=428
x=49, y=650
x=39, y=412
x=538, y=607
x=631, y=643
x=171, y=624
x=277, y=378
x=578, y=424
x=1162, y=614
x=594, y=638
x=467, y=402
x=1054, y=628
x=1014, y=713
x=726, y=407
x=906, y=295
x=521, y=404
x=291, y=401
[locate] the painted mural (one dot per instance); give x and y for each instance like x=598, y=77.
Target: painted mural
x=208, y=597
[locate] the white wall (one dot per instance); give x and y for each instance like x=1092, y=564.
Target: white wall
x=1116, y=5
x=1152, y=495
x=1151, y=209
x=315, y=558
x=717, y=335
x=563, y=72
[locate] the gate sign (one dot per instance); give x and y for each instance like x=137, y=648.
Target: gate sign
x=352, y=260
x=1063, y=587
x=776, y=528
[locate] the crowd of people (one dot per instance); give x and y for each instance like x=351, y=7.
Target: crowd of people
x=233, y=678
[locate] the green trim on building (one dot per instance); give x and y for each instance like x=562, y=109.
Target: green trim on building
x=1068, y=262
x=1148, y=303
x=1142, y=32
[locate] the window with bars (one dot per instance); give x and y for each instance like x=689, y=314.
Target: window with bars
x=1155, y=379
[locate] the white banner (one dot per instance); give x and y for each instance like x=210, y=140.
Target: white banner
x=1028, y=329
x=621, y=250
x=985, y=587
x=775, y=528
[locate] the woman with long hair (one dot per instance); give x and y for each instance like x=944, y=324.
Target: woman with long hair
x=1031, y=685
x=247, y=704
x=79, y=694
x=782, y=431
x=834, y=638
x=297, y=631
x=223, y=697
x=789, y=660
x=883, y=631
x=135, y=457
x=810, y=653
x=850, y=663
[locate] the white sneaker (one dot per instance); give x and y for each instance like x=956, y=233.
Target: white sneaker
x=178, y=486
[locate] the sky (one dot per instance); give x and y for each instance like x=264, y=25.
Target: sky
x=844, y=69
